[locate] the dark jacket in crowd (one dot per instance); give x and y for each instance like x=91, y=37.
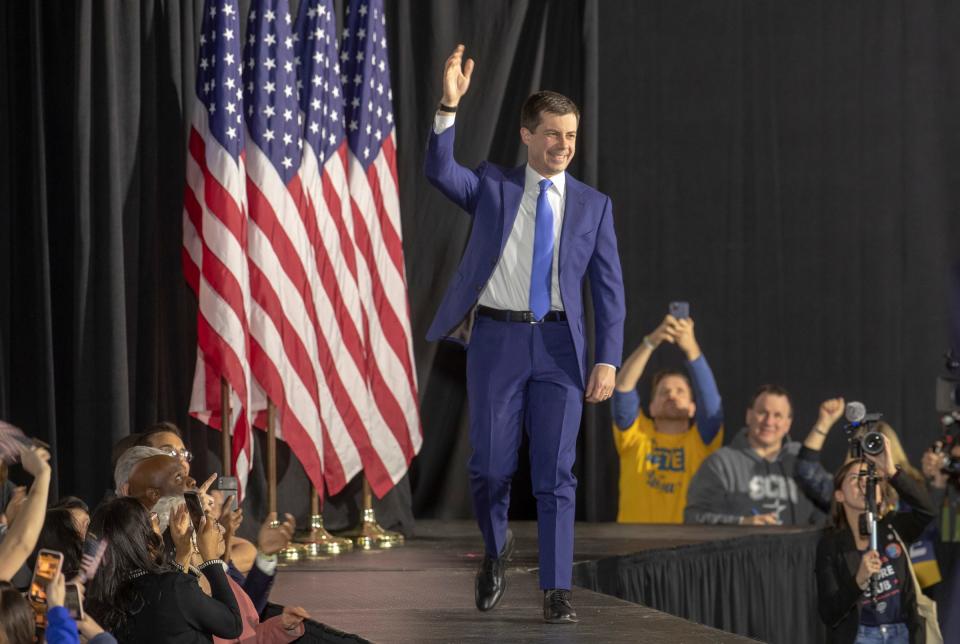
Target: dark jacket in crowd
x=176, y=611
x=838, y=560
x=736, y=482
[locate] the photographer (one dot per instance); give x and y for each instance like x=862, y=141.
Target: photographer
x=817, y=483
x=845, y=564
x=944, y=491
x=944, y=488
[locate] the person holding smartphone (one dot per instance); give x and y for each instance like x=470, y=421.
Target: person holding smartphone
x=660, y=453
x=65, y=616
x=140, y=597
x=22, y=534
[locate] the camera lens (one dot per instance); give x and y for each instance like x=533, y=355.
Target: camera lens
x=873, y=443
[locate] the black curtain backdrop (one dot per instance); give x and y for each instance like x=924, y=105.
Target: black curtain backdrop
x=789, y=168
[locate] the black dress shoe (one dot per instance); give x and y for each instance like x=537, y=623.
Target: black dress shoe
x=557, y=608
x=492, y=576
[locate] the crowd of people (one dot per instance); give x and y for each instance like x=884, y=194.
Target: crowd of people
x=141, y=568
x=673, y=469
x=167, y=576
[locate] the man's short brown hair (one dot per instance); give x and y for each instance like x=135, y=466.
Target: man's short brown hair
x=545, y=101
x=660, y=376
x=771, y=390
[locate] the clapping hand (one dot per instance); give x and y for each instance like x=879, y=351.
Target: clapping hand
x=209, y=539
x=272, y=539
x=180, y=533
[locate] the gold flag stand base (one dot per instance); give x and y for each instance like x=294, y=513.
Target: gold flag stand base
x=319, y=543
x=370, y=534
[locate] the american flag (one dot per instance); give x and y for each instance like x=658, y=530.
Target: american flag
x=372, y=177
x=288, y=344
x=215, y=230
x=324, y=176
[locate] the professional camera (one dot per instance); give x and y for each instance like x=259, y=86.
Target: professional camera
x=945, y=444
x=861, y=438
x=948, y=386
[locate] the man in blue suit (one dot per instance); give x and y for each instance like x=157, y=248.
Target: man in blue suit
x=515, y=303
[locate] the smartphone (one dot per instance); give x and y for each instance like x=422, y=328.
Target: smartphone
x=90, y=545
x=228, y=485
x=194, y=507
x=91, y=556
x=45, y=571
x=71, y=601
x=679, y=310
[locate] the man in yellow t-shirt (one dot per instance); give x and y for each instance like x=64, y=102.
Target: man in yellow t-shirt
x=660, y=454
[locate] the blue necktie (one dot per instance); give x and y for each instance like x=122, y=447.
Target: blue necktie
x=541, y=271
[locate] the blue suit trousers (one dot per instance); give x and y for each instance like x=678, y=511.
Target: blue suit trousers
x=525, y=376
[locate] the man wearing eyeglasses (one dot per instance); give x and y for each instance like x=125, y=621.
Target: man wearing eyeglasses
x=167, y=437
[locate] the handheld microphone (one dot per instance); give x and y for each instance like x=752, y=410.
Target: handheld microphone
x=856, y=414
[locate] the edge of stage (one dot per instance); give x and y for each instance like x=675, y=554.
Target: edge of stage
x=422, y=591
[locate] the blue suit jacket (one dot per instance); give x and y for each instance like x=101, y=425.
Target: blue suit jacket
x=588, y=248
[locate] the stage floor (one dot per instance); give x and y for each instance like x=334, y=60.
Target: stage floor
x=423, y=591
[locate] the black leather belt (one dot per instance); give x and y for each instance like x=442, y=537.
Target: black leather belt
x=519, y=316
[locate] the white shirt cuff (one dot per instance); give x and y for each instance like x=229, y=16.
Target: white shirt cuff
x=443, y=121
x=606, y=364
x=266, y=563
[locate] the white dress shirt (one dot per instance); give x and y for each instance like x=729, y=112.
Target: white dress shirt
x=509, y=286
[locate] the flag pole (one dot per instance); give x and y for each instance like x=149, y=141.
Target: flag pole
x=370, y=534
x=318, y=542
x=292, y=552
x=271, y=457
x=225, y=424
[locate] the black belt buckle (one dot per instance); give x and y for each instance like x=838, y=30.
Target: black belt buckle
x=531, y=318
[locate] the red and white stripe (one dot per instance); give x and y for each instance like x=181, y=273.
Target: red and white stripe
x=287, y=344
x=345, y=371
x=382, y=282
x=215, y=266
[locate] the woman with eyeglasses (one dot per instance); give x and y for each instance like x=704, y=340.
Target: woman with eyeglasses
x=845, y=563
x=140, y=597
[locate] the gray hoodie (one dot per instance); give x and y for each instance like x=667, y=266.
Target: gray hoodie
x=736, y=482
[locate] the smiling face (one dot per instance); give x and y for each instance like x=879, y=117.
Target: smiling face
x=552, y=143
x=768, y=420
